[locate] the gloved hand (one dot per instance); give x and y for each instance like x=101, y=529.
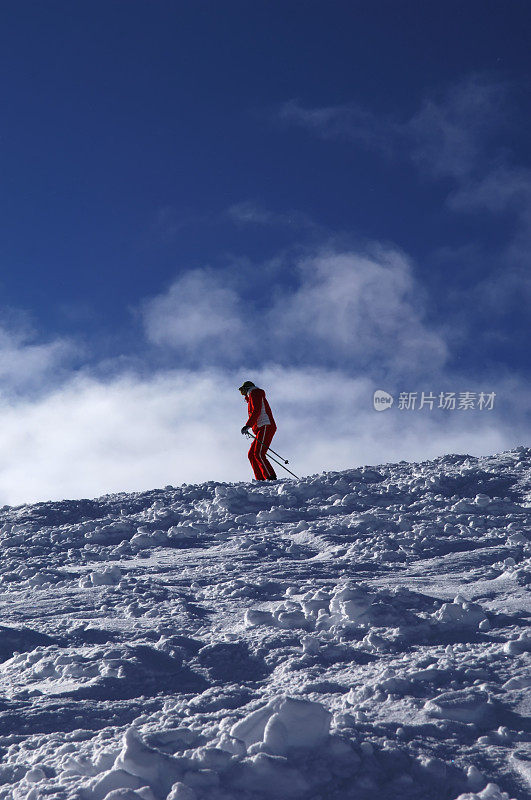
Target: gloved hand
x=245, y=429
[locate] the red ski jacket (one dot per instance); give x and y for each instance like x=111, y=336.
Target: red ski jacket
x=259, y=411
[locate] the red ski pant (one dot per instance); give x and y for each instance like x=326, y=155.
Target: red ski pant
x=257, y=453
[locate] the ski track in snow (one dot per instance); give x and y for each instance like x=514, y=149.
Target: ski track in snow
x=350, y=636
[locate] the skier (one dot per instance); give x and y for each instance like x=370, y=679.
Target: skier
x=263, y=426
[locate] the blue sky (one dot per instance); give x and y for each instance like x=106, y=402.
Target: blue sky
x=312, y=194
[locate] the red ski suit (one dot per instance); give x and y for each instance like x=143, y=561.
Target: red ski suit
x=263, y=425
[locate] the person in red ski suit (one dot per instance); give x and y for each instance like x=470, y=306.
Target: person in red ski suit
x=263, y=426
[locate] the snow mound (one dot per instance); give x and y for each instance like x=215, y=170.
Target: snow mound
x=282, y=724
x=465, y=706
x=491, y=792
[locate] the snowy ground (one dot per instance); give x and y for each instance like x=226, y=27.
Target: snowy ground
x=353, y=635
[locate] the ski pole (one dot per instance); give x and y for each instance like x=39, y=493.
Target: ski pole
x=274, y=459
x=285, y=460
x=283, y=467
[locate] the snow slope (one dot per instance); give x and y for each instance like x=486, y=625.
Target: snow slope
x=353, y=635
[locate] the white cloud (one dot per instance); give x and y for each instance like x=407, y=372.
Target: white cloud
x=249, y=213
x=337, y=308
x=502, y=188
x=349, y=122
x=362, y=310
x=455, y=135
x=199, y=314
x=27, y=364
x=92, y=437
x=449, y=136
x=445, y=137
